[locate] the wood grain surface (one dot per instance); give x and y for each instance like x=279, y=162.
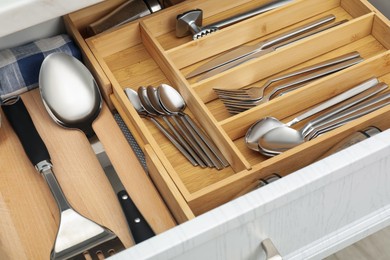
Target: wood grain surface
x=28, y=213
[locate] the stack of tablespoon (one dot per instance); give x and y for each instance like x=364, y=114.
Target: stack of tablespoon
x=165, y=102
x=283, y=138
x=239, y=100
x=262, y=126
x=245, y=53
x=134, y=100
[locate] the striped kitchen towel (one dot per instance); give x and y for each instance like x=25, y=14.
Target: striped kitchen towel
x=19, y=66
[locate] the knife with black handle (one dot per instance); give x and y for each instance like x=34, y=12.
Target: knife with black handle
x=36, y=150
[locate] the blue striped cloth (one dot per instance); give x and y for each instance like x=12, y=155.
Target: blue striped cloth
x=19, y=66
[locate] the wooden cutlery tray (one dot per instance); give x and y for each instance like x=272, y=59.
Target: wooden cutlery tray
x=147, y=52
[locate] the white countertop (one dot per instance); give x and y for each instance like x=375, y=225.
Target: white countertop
x=16, y=15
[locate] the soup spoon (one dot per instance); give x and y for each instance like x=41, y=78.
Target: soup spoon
x=264, y=125
x=284, y=138
x=135, y=101
x=151, y=95
x=172, y=102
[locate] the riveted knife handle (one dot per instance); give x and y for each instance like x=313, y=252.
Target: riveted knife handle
x=19, y=118
x=139, y=227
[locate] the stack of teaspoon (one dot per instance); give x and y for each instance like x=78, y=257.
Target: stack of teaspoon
x=164, y=102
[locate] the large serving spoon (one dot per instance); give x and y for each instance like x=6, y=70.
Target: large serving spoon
x=173, y=103
x=73, y=100
x=284, y=138
x=266, y=124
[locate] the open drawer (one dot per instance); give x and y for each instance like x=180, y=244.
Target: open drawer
x=148, y=53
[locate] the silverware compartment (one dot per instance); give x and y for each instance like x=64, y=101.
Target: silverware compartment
x=148, y=53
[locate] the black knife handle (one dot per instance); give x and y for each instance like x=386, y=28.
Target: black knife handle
x=19, y=118
x=139, y=227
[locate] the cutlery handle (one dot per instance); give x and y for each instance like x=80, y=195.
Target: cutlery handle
x=290, y=40
x=20, y=120
x=317, y=74
x=297, y=31
x=365, y=108
x=345, y=108
x=335, y=100
x=242, y=16
x=316, y=66
x=139, y=227
x=174, y=142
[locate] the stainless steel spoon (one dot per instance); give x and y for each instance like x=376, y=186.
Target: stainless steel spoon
x=172, y=102
x=284, y=138
x=264, y=125
x=180, y=136
x=135, y=101
x=72, y=99
x=151, y=95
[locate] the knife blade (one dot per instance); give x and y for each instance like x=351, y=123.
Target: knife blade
x=265, y=46
x=139, y=227
x=257, y=54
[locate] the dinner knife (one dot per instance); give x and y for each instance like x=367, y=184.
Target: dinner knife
x=247, y=52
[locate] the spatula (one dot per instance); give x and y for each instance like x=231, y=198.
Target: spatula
x=78, y=237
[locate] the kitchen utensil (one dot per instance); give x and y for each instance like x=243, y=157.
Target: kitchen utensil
x=257, y=93
x=126, y=12
x=173, y=102
x=77, y=235
x=351, y=140
x=72, y=99
x=134, y=100
x=283, y=138
x=151, y=95
x=243, y=104
x=190, y=22
x=258, y=51
x=245, y=50
x=181, y=135
x=194, y=139
x=346, y=116
x=259, y=128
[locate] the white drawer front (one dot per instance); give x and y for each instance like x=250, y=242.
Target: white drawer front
x=308, y=214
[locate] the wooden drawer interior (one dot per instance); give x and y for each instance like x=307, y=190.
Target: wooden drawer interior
x=148, y=53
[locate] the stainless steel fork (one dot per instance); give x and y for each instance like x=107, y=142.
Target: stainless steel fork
x=239, y=104
x=257, y=93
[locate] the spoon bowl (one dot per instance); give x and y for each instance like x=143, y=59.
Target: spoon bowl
x=70, y=110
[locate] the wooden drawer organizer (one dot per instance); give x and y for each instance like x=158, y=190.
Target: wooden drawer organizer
x=148, y=53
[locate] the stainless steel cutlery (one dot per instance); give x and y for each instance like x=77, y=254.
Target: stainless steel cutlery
x=239, y=100
x=166, y=103
x=245, y=53
x=190, y=22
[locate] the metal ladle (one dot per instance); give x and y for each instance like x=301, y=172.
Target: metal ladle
x=258, y=129
x=72, y=99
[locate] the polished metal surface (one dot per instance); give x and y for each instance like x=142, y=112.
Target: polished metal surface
x=191, y=21
x=238, y=54
x=262, y=126
x=69, y=92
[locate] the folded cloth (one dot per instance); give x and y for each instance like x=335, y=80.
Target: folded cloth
x=19, y=66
